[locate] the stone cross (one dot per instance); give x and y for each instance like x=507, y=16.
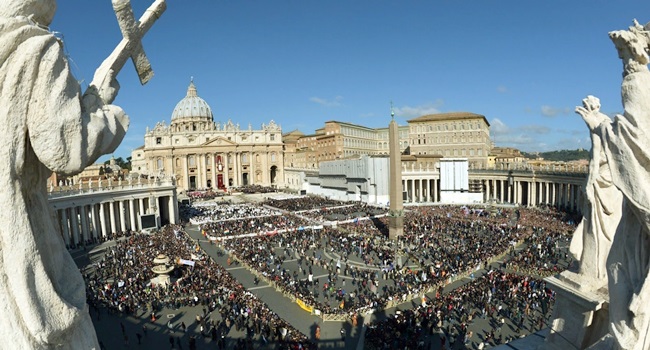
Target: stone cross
x=131, y=45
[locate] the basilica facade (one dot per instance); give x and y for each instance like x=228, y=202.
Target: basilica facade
x=201, y=153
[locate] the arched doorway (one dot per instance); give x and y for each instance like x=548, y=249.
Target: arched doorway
x=274, y=173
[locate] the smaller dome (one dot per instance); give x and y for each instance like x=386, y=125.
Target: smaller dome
x=191, y=106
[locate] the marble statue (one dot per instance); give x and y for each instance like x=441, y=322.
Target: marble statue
x=592, y=238
x=47, y=125
x=626, y=148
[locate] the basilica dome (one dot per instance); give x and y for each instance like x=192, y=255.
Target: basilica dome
x=191, y=106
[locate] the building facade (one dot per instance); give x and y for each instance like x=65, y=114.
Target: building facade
x=452, y=135
x=203, y=154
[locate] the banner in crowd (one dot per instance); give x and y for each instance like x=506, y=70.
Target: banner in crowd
x=304, y=306
x=186, y=262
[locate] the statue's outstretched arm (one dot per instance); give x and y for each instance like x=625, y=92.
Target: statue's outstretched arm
x=68, y=132
x=590, y=112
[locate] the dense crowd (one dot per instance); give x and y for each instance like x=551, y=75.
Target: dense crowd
x=342, y=213
x=505, y=299
x=255, y=225
x=354, y=267
x=122, y=281
x=211, y=211
x=249, y=189
x=204, y=194
x=441, y=241
x=301, y=203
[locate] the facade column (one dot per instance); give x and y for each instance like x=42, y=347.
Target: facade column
x=111, y=214
x=102, y=219
x=199, y=170
x=134, y=227
x=74, y=223
x=266, y=171
x=252, y=168
x=235, y=169
x=213, y=161
x=65, y=231
x=226, y=170
x=186, y=173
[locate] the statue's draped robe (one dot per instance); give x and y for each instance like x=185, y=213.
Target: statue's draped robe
x=626, y=143
x=592, y=238
x=44, y=127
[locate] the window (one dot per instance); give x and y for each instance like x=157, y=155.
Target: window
x=159, y=164
x=158, y=140
x=191, y=161
x=273, y=157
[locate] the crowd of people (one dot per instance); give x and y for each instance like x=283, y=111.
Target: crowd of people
x=121, y=281
x=438, y=243
x=351, y=268
x=301, y=203
x=342, y=213
x=212, y=212
x=504, y=299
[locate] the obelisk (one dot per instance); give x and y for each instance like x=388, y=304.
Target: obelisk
x=396, y=211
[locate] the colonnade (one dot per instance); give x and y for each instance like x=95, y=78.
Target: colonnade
x=421, y=190
x=96, y=214
x=568, y=195
x=526, y=190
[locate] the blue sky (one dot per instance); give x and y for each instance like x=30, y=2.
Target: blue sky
x=525, y=65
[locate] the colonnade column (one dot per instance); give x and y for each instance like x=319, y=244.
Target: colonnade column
x=111, y=212
x=546, y=192
x=94, y=221
x=102, y=219
x=122, y=215
x=532, y=191
x=65, y=230
x=428, y=190
x=134, y=227
x=412, y=191
x=420, y=189
x=74, y=223
x=85, y=229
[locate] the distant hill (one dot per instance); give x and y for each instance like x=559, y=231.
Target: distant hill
x=562, y=155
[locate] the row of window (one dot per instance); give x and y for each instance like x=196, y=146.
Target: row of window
x=447, y=139
x=457, y=153
x=446, y=127
x=191, y=139
x=191, y=160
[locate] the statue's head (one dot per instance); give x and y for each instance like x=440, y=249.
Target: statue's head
x=41, y=11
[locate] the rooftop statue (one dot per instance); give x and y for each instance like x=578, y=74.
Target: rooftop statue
x=47, y=125
x=625, y=147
